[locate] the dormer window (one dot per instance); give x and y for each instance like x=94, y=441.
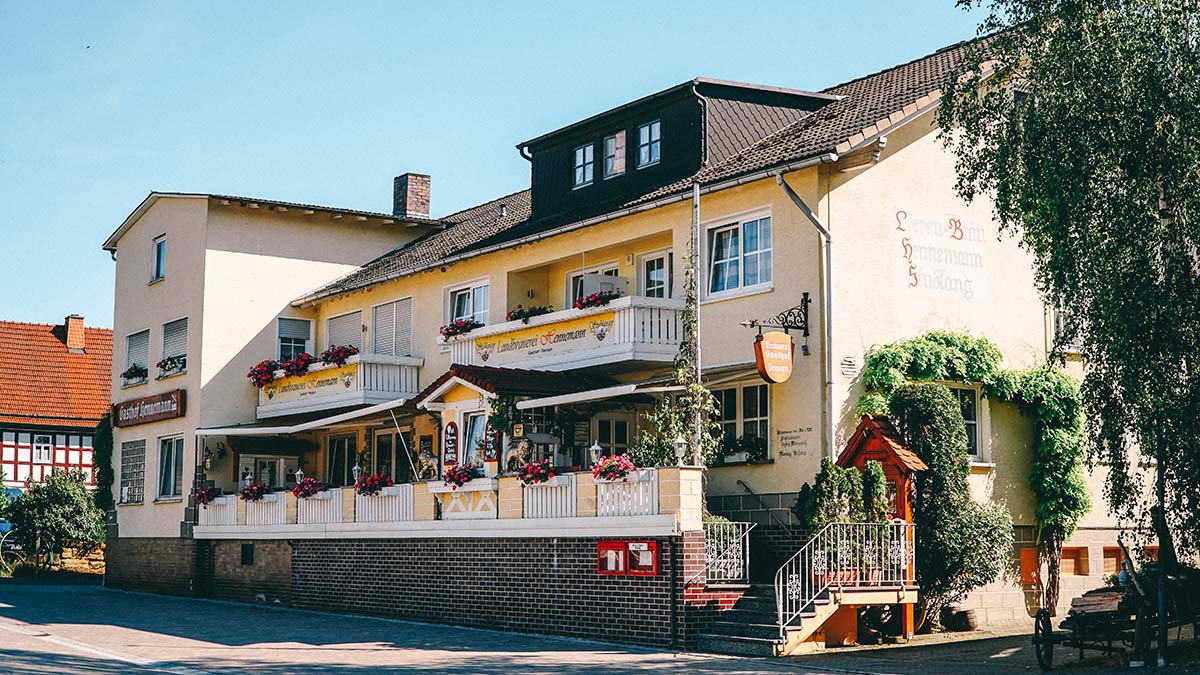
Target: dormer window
x=585, y=165
x=614, y=155
x=649, y=143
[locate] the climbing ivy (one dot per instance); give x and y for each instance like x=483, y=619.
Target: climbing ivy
x=1045, y=394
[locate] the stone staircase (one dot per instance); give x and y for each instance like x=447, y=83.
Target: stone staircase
x=751, y=628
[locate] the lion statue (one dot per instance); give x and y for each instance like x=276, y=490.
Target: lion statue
x=517, y=456
x=426, y=465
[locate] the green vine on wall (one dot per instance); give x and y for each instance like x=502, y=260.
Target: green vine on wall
x=1045, y=394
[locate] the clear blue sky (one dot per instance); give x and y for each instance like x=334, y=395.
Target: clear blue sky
x=100, y=103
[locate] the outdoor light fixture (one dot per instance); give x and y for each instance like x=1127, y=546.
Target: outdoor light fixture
x=357, y=471
x=596, y=450
x=299, y=474
x=680, y=449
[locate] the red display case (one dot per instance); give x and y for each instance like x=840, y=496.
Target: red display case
x=642, y=558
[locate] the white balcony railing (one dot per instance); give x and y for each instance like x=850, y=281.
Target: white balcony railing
x=323, y=507
x=270, y=510
x=365, y=379
x=633, y=328
x=220, y=511
x=552, y=499
x=637, y=495
x=392, y=505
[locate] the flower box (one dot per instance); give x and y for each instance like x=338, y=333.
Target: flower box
x=392, y=491
x=272, y=497
x=473, y=485
x=635, y=476
x=326, y=494
x=737, y=458
x=559, y=480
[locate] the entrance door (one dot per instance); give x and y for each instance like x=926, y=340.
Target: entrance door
x=389, y=455
x=343, y=454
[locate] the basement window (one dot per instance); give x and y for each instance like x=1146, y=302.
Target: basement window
x=247, y=554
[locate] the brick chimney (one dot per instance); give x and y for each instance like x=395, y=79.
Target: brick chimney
x=410, y=195
x=75, y=341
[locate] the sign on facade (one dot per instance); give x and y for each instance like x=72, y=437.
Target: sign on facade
x=310, y=385
x=558, y=338
x=450, y=443
x=773, y=353
x=164, y=406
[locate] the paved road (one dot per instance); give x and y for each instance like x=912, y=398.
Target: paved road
x=74, y=630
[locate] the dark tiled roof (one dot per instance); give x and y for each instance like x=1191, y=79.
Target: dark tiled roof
x=42, y=383
x=736, y=125
x=868, y=105
x=517, y=381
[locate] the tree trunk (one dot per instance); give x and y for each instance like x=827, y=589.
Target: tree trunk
x=1050, y=553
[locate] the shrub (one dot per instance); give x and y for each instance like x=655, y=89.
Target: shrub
x=56, y=513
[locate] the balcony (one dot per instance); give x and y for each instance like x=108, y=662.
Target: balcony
x=366, y=379
x=629, y=332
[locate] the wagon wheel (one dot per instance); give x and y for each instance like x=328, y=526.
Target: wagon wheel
x=1043, y=640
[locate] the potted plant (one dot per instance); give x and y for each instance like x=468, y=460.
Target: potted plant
x=254, y=492
x=172, y=365
x=457, y=475
x=298, y=364
x=372, y=484
x=458, y=327
x=597, y=299
x=205, y=494
x=337, y=355
x=264, y=373
x=536, y=473
x=308, y=487
x=614, y=468
x=135, y=373
x=524, y=314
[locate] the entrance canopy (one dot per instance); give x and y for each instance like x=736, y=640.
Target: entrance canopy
x=303, y=423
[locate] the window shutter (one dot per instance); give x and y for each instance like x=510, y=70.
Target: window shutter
x=346, y=330
x=383, y=329
x=138, y=349
x=404, y=327
x=175, y=338
x=297, y=329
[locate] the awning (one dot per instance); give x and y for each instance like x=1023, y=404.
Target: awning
x=320, y=422
x=595, y=395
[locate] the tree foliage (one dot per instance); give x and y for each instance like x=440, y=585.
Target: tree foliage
x=843, y=495
x=961, y=544
x=874, y=490
x=57, y=513
x=102, y=462
x=1081, y=120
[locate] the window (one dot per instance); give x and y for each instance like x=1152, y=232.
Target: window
x=968, y=399
x=170, y=467
x=158, y=266
x=174, y=347
x=743, y=412
x=475, y=435
x=649, y=143
x=133, y=472
x=137, y=353
x=577, y=280
x=614, y=155
x=657, y=271
x=43, y=449
x=739, y=255
x=247, y=554
x=343, y=456
x=612, y=434
x=585, y=165
x=1074, y=561
x=345, y=330
x=391, y=328
x=294, y=335
x=470, y=303
x=1062, y=340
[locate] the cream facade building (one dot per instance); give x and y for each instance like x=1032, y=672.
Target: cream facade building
x=614, y=203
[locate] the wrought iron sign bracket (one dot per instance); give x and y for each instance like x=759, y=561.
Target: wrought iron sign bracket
x=794, y=319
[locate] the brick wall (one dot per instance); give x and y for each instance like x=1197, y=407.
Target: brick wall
x=702, y=603
x=265, y=576
x=152, y=565
x=547, y=586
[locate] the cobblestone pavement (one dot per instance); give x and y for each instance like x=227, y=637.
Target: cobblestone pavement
x=74, y=630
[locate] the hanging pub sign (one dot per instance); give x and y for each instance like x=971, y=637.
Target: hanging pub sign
x=773, y=353
x=450, y=443
x=491, y=446
x=164, y=406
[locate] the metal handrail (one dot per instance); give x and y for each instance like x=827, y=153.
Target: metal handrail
x=844, y=555
x=787, y=526
x=725, y=551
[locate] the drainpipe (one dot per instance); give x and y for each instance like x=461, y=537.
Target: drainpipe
x=827, y=310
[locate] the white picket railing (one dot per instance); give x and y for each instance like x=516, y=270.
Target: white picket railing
x=841, y=556
x=635, y=496
x=270, y=510
x=323, y=507
x=392, y=504
x=553, y=499
x=221, y=511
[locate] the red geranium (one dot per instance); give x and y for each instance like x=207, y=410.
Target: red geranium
x=458, y=327
x=264, y=373
x=459, y=474
x=337, y=354
x=205, y=494
x=298, y=364
x=597, y=299
x=308, y=487
x=536, y=472
x=370, y=485
x=255, y=491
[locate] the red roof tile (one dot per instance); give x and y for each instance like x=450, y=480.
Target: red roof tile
x=42, y=383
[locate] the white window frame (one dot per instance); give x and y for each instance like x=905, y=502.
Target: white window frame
x=158, y=259
x=738, y=221
x=652, y=143
x=611, y=268
x=668, y=258
x=43, y=451
x=177, y=464
x=162, y=347
x=583, y=173
x=611, y=172
x=130, y=362
x=467, y=454
x=739, y=418
x=470, y=287
x=976, y=427
x=1056, y=330
x=123, y=486
x=307, y=347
